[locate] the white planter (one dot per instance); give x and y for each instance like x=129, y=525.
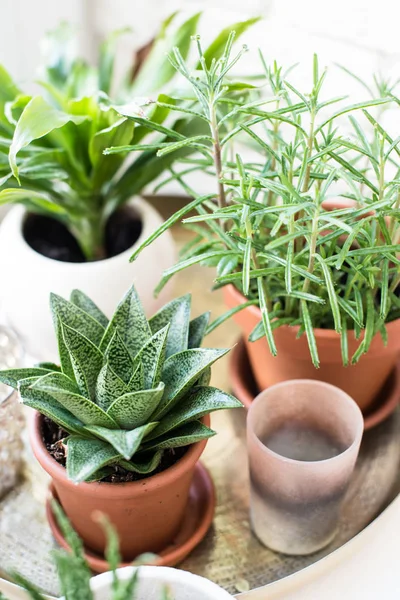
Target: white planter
x=28, y=278
x=152, y=580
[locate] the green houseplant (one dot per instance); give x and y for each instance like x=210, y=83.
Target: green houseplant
x=128, y=406
x=306, y=237
x=78, y=204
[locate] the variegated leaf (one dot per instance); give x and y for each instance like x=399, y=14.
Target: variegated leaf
x=197, y=330
x=131, y=322
x=135, y=409
x=152, y=357
x=65, y=359
x=84, y=409
x=88, y=306
x=86, y=360
x=136, y=382
x=183, y=436
x=109, y=387
x=86, y=456
x=11, y=377
x=49, y=407
x=125, y=442
x=119, y=358
x=204, y=378
x=177, y=314
x=202, y=401
x=49, y=366
x=76, y=318
x=143, y=464
x=181, y=371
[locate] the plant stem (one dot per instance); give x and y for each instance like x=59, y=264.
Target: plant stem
x=217, y=154
x=313, y=242
x=89, y=233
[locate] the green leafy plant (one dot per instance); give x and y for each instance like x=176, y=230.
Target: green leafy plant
x=52, y=145
x=308, y=230
x=74, y=573
x=128, y=389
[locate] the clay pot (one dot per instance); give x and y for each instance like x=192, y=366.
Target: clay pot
x=362, y=381
x=146, y=514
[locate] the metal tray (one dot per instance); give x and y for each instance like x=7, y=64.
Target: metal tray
x=230, y=555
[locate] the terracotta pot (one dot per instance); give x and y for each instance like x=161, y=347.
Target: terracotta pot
x=146, y=514
x=362, y=381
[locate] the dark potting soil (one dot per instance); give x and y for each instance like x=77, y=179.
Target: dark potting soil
x=52, y=436
x=52, y=239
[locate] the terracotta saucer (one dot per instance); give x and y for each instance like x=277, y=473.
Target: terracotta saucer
x=245, y=388
x=197, y=521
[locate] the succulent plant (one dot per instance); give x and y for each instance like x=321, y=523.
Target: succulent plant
x=126, y=389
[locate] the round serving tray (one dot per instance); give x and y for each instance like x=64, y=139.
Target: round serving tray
x=229, y=555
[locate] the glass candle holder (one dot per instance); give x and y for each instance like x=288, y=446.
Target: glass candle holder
x=11, y=416
x=303, y=439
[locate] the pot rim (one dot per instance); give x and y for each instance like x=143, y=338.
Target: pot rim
x=143, y=208
x=319, y=332
x=58, y=472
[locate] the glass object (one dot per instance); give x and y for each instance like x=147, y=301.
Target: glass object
x=303, y=438
x=11, y=416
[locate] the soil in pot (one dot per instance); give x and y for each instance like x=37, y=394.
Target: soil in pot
x=52, y=239
x=52, y=436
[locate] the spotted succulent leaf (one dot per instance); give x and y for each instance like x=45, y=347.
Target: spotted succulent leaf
x=11, y=377
x=109, y=387
x=64, y=355
x=88, y=306
x=87, y=456
x=86, y=360
x=118, y=357
x=134, y=409
x=49, y=366
x=146, y=463
x=136, y=382
x=76, y=318
x=125, y=442
x=131, y=322
x=197, y=330
x=190, y=433
x=176, y=314
x=152, y=357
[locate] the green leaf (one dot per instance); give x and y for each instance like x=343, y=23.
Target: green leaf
x=246, y=267
x=109, y=387
x=130, y=320
x=344, y=343
x=196, y=405
x=105, y=167
x=86, y=360
x=312, y=344
x=37, y=199
x=12, y=377
x=107, y=59
x=118, y=357
x=146, y=463
x=177, y=314
x=76, y=318
x=124, y=442
x=88, y=306
x=197, y=330
x=136, y=382
x=188, y=434
x=331, y=293
x=193, y=142
x=217, y=47
x=63, y=352
x=37, y=120
x=265, y=317
x=384, y=290
x=86, y=456
x=228, y=314
x=152, y=357
x=49, y=366
x=62, y=389
x=134, y=409
x=181, y=371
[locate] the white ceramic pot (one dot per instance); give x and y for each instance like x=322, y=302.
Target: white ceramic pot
x=28, y=278
x=152, y=580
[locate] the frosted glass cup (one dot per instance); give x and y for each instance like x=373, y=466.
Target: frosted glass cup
x=303, y=438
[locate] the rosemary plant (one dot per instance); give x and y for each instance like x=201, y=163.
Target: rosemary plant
x=308, y=231
x=51, y=145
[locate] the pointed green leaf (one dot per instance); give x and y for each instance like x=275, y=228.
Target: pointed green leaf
x=124, y=442
x=182, y=436
x=76, y=318
x=87, y=411
x=86, y=456
x=49, y=407
x=11, y=377
x=130, y=320
x=146, y=463
x=119, y=358
x=177, y=314
x=197, y=330
x=109, y=387
x=182, y=371
x=202, y=401
x=205, y=378
x=49, y=366
x=136, y=382
x=152, y=357
x=134, y=409
x=63, y=353
x=88, y=306
x=86, y=360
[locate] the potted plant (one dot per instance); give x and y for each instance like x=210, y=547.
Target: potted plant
x=79, y=217
x=123, y=420
x=305, y=236
x=117, y=584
